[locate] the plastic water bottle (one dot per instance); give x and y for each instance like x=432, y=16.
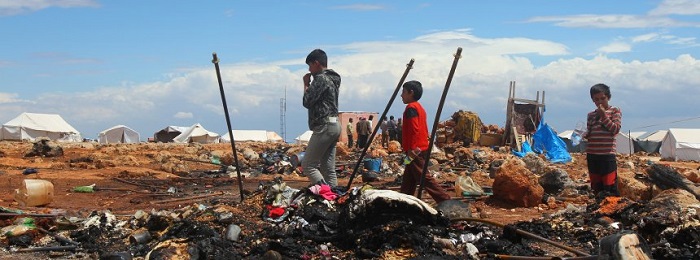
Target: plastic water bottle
x=575, y=138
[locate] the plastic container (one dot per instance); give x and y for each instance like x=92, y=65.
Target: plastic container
x=577, y=135
x=34, y=192
x=373, y=164
x=297, y=159
x=465, y=186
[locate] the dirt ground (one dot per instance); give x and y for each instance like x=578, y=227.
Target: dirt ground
x=131, y=179
x=146, y=176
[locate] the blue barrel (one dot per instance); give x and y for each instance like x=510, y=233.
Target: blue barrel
x=297, y=159
x=373, y=164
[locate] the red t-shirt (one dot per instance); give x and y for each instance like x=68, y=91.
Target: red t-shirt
x=415, y=128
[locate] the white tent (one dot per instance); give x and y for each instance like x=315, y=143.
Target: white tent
x=197, y=134
x=651, y=142
x=681, y=144
x=625, y=143
x=622, y=140
x=304, y=138
x=118, y=134
x=252, y=135
x=29, y=126
x=167, y=134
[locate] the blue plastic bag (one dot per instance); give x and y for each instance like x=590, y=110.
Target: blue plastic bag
x=547, y=142
x=524, y=150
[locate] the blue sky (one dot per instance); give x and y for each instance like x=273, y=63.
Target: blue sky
x=147, y=64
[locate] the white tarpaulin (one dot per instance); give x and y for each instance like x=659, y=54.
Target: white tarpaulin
x=681, y=144
x=197, y=134
x=118, y=134
x=304, y=138
x=30, y=126
x=252, y=135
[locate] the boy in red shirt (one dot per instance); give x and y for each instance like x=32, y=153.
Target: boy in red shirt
x=415, y=141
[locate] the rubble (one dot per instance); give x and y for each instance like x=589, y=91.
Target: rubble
x=190, y=209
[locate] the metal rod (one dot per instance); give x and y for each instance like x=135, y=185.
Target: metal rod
x=57, y=237
x=12, y=214
x=409, y=66
x=48, y=248
x=512, y=257
x=527, y=234
x=457, y=55
x=215, y=60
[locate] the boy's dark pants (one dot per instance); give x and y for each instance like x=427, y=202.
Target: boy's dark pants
x=411, y=178
x=602, y=171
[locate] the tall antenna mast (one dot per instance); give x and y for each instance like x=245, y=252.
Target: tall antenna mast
x=283, y=115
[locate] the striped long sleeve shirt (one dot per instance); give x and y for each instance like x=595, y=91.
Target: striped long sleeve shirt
x=602, y=131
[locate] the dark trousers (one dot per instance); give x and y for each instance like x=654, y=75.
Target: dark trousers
x=392, y=135
x=602, y=171
x=350, y=141
x=361, y=141
x=412, y=175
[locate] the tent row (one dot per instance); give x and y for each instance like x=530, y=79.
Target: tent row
x=678, y=144
x=30, y=126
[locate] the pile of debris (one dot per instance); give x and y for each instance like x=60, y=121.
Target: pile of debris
x=657, y=214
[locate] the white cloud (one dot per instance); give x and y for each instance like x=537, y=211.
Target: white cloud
x=613, y=21
x=8, y=98
x=615, y=47
x=183, y=115
x=13, y=7
x=370, y=74
x=649, y=37
x=680, y=7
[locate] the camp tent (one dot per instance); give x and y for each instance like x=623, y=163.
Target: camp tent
x=118, y=134
x=30, y=126
x=566, y=137
x=622, y=141
x=650, y=142
x=252, y=135
x=304, y=138
x=197, y=134
x=167, y=134
x=681, y=144
x=625, y=142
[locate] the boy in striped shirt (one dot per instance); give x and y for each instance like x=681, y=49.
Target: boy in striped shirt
x=603, y=125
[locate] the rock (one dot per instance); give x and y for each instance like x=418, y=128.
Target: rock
x=632, y=188
x=555, y=180
x=516, y=184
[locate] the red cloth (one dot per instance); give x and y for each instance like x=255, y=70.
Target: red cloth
x=275, y=212
x=326, y=192
x=414, y=128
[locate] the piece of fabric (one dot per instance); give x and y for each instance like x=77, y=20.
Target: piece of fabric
x=275, y=212
x=326, y=192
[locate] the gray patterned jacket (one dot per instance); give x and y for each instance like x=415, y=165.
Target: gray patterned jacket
x=321, y=98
